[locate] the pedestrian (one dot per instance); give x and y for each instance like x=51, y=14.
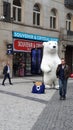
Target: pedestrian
x=6, y=72
x=63, y=73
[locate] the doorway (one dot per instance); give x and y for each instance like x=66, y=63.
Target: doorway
x=27, y=63
x=36, y=57
x=69, y=57
x=21, y=64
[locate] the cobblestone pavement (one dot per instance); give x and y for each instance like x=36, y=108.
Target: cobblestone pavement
x=22, y=110
x=58, y=114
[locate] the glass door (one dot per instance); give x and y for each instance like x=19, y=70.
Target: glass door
x=36, y=57
x=69, y=57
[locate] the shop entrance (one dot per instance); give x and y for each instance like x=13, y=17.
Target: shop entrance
x=69, y=57
x=36, y=57
x=21, y=64
x=27, y=57
x=27, y=63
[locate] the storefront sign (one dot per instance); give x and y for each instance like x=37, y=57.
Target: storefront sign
x=28, y=36
x=25, y=45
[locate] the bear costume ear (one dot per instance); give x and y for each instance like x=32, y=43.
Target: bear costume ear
x=49, y=42
x=56, y=42
x=44, y=43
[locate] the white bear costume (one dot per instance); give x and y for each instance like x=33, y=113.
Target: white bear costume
x=50, y=61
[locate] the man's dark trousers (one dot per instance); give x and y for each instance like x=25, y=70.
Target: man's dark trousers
x=62, y=87
x=5, y=77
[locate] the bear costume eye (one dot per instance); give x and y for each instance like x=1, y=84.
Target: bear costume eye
x=55, y=43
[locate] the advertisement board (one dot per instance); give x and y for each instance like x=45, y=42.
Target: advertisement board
x=25, y=45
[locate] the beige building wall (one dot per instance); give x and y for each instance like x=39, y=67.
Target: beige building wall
x=27, y=24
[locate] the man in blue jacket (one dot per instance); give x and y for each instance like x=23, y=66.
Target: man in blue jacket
x=63, y=73
x=6, y=72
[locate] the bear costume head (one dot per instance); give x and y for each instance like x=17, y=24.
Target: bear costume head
x=50, y=47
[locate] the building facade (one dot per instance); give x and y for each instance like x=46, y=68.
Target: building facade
x=26, y=24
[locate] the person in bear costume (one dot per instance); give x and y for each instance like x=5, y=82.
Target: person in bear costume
x=50, y=61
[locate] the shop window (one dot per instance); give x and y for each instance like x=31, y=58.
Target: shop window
x=6, y=10
x=53, y=19
x=68, y=22
x=36, y=15
x=17, y=10
x=21, y=64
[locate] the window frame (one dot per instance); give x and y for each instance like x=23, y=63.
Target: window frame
x=68, y=22
x=53, y=19
x=36, y=15
x=17, y=13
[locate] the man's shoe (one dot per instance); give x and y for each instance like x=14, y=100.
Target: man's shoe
x=60, y=98
x=11, y=83
x=3, y=84
x=64, y=98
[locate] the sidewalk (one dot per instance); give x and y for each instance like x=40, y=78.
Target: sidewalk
x=22, y=110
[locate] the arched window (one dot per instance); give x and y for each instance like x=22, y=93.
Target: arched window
x=36, y=15
x=6, y=10
x=68, y=22
x=53, y=19
x=17, y=10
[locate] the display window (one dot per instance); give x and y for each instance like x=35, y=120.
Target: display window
x=21, y=64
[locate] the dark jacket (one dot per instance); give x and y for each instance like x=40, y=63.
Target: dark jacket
x=5, y=69
x=66, y=71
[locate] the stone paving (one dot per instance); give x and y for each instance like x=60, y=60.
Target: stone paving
x=22, y=110
x=19, y=108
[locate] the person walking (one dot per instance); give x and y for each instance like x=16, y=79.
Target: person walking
x=63, y=73
x=6, y=72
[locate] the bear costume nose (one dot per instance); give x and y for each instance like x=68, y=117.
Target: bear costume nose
x=54, y=46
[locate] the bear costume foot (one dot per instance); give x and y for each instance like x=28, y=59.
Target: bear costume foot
x=57, y=87
x=48, y=86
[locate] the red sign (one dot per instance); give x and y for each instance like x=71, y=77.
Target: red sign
x=25, y=45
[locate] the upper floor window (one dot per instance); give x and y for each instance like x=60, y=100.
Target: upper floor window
x=53, y=19
x=6, y=10
x=36, y=15
x=17, y=10
x=68, y=22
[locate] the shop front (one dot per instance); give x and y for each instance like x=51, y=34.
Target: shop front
x=27, y=53
x=26, y=57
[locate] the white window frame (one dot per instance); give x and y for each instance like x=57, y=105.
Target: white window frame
x=36, y=13
x=16, y=13
x=68, y=23
x=52, y=18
